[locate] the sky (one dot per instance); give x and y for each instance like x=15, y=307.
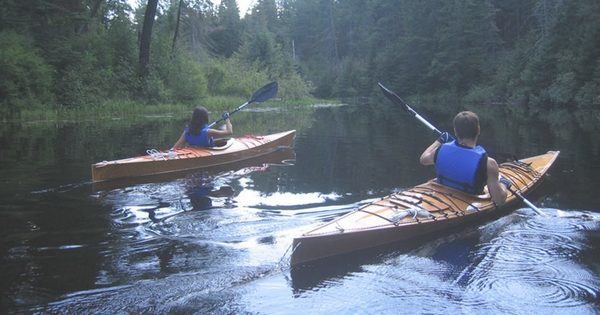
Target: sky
x=242, y=4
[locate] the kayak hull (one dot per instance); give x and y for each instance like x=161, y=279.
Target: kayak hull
x=192, y=158
x=419, y=211
x=280, y=156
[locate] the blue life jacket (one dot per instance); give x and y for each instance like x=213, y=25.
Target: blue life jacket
x=201, y=140
x=461, y=167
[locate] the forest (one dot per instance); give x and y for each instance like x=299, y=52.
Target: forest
x=531, y=56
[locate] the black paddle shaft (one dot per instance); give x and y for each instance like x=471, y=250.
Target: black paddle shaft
x=398, y=100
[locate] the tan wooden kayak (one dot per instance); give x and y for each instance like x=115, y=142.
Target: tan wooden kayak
x=191, y=158
x=279, y=156
x=418, y=211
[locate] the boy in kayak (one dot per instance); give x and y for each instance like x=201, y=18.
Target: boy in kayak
x=197, y=132
x=464, y=165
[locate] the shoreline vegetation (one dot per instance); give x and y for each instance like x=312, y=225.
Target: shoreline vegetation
x=530, y=57
x=131, y=109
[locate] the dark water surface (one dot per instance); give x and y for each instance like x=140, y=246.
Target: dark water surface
x=218, y=242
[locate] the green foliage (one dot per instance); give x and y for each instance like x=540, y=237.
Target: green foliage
x=294, y=88
x=183, y=79
x=537, y=56
x=234, y=77
x=588, y=95
x=25, y=78
x=532, y=54
x=227, y=34
x=556, y=59
x=96, y=66
x=261, y=49
x=480, y=94
x=83, y=82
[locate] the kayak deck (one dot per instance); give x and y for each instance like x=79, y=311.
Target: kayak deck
x=279, y=156
x=420, y=210
x=235, y=150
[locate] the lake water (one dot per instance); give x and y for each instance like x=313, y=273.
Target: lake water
x=218, y=242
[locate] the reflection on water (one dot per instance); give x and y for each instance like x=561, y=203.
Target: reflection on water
x=218, y=241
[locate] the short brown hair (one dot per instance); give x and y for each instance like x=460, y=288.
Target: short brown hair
x=466, y=125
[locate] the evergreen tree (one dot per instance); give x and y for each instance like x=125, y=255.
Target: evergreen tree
x=227, y=33
x=537, y=55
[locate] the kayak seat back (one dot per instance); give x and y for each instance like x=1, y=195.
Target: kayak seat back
x=222, y=144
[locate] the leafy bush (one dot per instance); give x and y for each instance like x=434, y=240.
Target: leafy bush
x=480, y=94
x=94, y=67
x=25, y=78
x=84, y=81
x=186, y=79
x=588, y=97
x=234, y=77
x=562, y=90
x=294, y=87
x=182, y=79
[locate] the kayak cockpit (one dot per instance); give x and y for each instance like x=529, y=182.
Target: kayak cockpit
x=222, y=144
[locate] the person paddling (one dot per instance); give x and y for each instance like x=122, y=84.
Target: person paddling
x=464, y=165
x=198, y=133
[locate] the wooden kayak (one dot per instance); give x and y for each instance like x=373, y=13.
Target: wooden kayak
x=418, y=211
x=279, y=156
x=232, y=151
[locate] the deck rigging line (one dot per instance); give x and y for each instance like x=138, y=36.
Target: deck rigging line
x=395, y=200
x=452, y=207
x=521, y=173
x=517, y=178
x=430, y=193
x=378, y=215
x=421, y=200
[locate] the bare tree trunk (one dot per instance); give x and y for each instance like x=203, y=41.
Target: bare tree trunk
x=146, y=38
x=176, y=28
x=332, y=36
x=84, y=27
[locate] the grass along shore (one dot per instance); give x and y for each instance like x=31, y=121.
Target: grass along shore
x=129, y=109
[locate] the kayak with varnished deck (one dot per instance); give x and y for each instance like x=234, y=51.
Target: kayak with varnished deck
x=191, y=158
x=418, y=211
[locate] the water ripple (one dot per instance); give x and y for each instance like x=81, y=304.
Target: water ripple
x=530, y=263
x=534, y=290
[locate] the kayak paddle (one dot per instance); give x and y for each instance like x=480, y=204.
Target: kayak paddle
x=398, y=100
x=264, y=93
x=531, y=205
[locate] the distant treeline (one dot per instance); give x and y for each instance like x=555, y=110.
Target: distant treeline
x=533, y=54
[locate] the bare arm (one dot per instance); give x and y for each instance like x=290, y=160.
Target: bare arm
x=222, y=133
x=496, y=190
x=428, y=156
x=181, y=142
